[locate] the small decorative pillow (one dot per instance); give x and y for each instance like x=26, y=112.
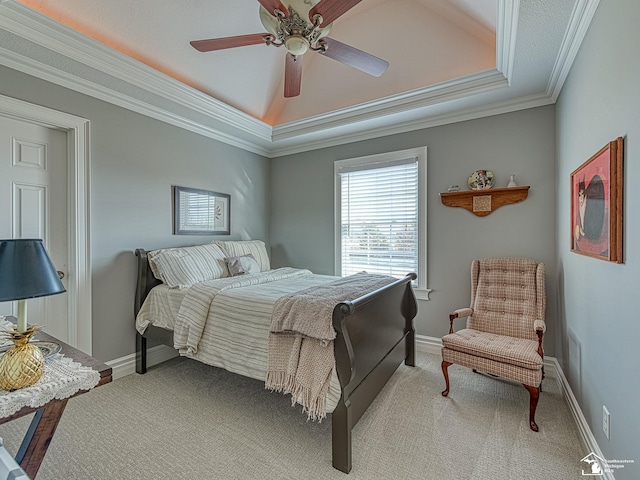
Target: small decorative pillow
x=239, y=248
x=182, y=267
x=242, y=265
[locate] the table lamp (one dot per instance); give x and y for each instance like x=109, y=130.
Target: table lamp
x=26, y=272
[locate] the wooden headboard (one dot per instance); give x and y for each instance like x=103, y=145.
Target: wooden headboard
x=146, y=280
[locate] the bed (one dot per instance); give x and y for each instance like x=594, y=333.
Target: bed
x=374, y=334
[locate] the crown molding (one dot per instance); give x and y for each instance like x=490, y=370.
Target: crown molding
x=472, y=113
x=31, y=25
x=59, y=77
x=442, y=92
x=387, y=116
x=41, y=30
x=506, y=29
x=581, y=16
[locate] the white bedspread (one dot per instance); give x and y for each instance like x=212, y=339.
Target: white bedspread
x=238, y=314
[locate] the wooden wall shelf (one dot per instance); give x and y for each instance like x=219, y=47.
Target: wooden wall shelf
x=483, y=202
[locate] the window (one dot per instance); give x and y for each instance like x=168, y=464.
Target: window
x=381, y=215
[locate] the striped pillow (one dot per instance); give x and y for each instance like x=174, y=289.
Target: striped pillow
x=182, y=267
x=238, y=248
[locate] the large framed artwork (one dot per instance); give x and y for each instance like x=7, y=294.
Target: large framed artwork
x=596, y=204
x=200, y=212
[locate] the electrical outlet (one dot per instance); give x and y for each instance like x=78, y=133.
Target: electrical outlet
x=606, y=421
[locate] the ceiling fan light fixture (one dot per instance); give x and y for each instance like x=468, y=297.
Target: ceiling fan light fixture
x=296, y=45
x=295, y=31
x=297, y=25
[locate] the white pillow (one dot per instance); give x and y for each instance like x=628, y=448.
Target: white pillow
x=182, y=267
x=242, y=265
x=239, y=248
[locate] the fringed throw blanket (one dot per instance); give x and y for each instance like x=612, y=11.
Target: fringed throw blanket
x=301, y=357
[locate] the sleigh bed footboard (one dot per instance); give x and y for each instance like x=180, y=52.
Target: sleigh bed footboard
x=374, y=335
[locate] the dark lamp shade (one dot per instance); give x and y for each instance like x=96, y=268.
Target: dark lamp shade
x=26, y=270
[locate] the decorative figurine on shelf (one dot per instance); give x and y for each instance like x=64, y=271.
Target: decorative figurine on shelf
x=453, y=188
x=481, y=180
x=512, y=181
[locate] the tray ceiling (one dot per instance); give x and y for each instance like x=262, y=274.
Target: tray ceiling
x=449, y=59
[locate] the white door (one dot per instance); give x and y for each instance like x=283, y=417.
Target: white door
x=33, y=204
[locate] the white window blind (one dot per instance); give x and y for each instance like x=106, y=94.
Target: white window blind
x=379, y=205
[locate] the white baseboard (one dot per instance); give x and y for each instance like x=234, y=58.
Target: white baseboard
x=126, y=365
x=430, y=345
x=584, y=432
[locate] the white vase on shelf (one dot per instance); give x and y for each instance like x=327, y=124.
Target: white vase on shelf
x=512, y=181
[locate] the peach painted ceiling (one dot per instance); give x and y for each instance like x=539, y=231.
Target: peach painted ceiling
x=445, y=56
x=424, y=41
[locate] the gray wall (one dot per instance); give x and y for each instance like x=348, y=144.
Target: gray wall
x=289, y=201
x=523, y=143
x=134, y=162
x=599, y=301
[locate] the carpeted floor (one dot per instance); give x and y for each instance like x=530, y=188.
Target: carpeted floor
x=186, y=420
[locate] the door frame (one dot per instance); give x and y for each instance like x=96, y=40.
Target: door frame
x=78, y=182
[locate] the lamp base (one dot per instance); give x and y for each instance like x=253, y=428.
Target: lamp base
x=23, y=364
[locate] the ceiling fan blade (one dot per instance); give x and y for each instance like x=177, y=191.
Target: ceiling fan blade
x=229, y=42
x=355, y=58
x=271, y=5
x=292, y=75
x=331, y=9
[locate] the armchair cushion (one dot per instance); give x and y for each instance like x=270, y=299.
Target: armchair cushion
x=500, y=348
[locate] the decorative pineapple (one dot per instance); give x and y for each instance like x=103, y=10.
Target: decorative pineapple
x=23, y=364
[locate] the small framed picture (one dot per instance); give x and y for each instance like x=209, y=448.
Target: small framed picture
x=200, y=212
x=596, y=204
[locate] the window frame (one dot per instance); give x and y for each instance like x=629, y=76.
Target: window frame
x=420, y=154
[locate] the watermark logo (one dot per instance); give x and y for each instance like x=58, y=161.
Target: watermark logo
x=595, y=466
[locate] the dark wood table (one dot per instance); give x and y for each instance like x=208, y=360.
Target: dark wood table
x=38, y=437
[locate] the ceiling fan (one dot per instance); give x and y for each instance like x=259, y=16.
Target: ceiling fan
x=300, y=26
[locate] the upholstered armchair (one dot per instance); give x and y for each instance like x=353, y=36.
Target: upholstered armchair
x=505, y=325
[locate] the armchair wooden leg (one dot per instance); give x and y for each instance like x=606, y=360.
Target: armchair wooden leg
x=534, y=393
x=445, y=366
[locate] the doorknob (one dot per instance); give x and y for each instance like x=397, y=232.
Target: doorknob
x=60, y=274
